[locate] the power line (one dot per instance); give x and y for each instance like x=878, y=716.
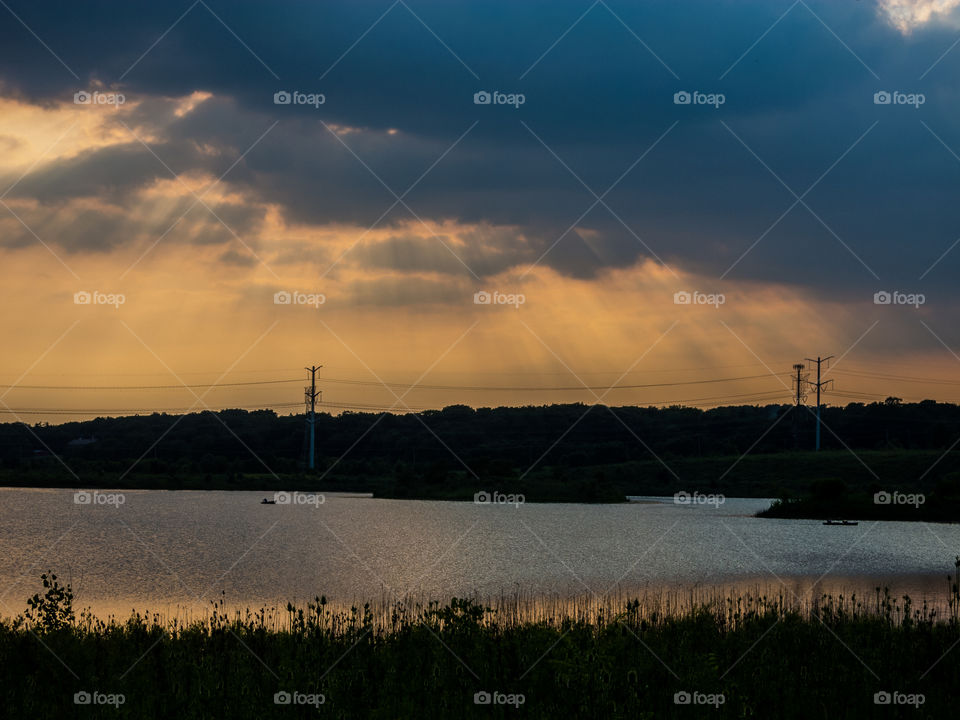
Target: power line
x=134, y=411
x=904, y=378
x=161, y=374
x=258, y=406
x=489, y=388
x=645, y=371
x=853, y=395
x=876, y=363
x=758, y=395
x=765, y=395
x=382, y=408
x=401, y=386
x=542, y=388
x=147, y=387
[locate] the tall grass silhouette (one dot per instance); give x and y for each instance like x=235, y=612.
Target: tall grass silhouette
x=769, y=655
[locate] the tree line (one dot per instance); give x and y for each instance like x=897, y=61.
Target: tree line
x=489, y=441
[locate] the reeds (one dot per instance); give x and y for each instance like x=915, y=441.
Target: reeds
x=767, y=653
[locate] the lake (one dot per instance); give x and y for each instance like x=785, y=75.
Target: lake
x=158, y=550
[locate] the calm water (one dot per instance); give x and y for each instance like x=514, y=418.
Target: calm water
x=161, y=549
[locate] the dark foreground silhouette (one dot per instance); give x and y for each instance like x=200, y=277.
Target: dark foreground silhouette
x=732, y=658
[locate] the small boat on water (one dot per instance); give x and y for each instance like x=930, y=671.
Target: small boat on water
x=268, y=502
x=840, y=522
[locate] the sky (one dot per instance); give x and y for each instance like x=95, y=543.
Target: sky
x=500, y=202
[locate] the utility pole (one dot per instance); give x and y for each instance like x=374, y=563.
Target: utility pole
x=819, y=384
x=310, y=396
x=801, y=381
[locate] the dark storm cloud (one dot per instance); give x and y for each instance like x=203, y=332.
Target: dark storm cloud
x=111, y=173
x=800, y=100
x=486, y=251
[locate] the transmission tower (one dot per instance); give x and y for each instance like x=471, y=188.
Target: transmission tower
x=819, y=385
x=800, y=381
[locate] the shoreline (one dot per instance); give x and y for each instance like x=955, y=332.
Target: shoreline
x=782, y=474
x=669, y=598
x=860, y=509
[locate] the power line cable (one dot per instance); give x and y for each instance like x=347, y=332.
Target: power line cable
x=149, y=387
x=541, y=388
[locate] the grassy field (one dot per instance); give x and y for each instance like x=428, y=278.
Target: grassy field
x=738, y=657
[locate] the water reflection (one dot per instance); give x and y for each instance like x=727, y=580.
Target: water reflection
x=175, y=552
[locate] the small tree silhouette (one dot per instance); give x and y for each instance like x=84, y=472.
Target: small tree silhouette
x=54, y=609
